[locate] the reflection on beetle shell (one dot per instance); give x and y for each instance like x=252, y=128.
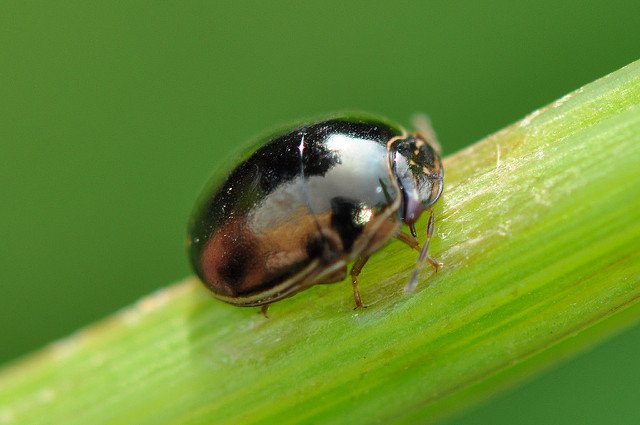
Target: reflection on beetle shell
x=314, y=197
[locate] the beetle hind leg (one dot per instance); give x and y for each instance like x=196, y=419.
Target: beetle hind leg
x=355, y=271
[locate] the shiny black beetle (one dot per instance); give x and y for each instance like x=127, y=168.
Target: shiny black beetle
x=310, y=200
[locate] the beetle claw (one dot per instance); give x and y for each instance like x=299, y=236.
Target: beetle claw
x=437, y=265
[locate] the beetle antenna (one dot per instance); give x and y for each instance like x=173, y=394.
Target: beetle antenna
x=413, y=282
x=423, y=126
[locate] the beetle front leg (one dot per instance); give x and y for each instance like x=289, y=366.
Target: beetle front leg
x=413, y=243
x=355, y=271
x=437, y=265
x=423, y=256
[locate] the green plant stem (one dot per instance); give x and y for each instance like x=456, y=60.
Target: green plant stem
x=538, y=229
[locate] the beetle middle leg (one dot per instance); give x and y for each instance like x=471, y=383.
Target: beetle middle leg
x=409, y=240
x=355, y=271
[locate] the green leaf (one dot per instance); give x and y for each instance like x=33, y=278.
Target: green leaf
x=538, y=229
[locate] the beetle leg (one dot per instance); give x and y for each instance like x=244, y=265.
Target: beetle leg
x=423, y=256
x=437, y=265
x=409, y=240
x=414, y=244
x=355, y=271
x=263, y=310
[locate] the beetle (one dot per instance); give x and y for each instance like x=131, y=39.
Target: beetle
x=308, y=201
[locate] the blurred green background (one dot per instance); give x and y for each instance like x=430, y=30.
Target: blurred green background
x=114, y=114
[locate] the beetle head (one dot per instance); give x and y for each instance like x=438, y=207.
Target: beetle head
x=418, y=169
